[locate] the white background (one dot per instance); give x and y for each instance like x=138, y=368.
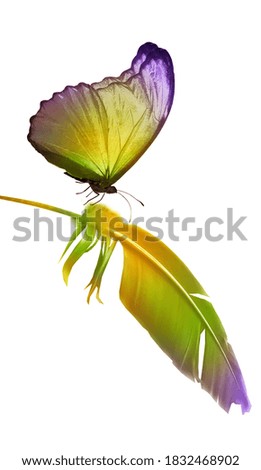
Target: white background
x=80, y=379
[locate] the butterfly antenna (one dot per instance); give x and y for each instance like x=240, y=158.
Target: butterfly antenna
x=119, y=192
x=125, y=192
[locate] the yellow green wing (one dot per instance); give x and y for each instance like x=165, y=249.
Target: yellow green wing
x=99, y=131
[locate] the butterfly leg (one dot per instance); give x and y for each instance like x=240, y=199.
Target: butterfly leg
x=99, y=199
x=86, y=189
x=89, y=200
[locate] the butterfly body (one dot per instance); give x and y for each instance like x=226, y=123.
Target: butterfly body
x=96, y=188
x=97, y=132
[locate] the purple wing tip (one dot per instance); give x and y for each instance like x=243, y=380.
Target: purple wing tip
x=150, y=51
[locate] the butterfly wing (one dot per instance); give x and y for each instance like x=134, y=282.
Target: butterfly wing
x=99, y=131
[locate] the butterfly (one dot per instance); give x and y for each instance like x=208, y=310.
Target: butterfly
x=97, y=132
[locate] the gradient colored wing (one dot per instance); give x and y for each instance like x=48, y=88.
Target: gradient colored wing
x=99, y=131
